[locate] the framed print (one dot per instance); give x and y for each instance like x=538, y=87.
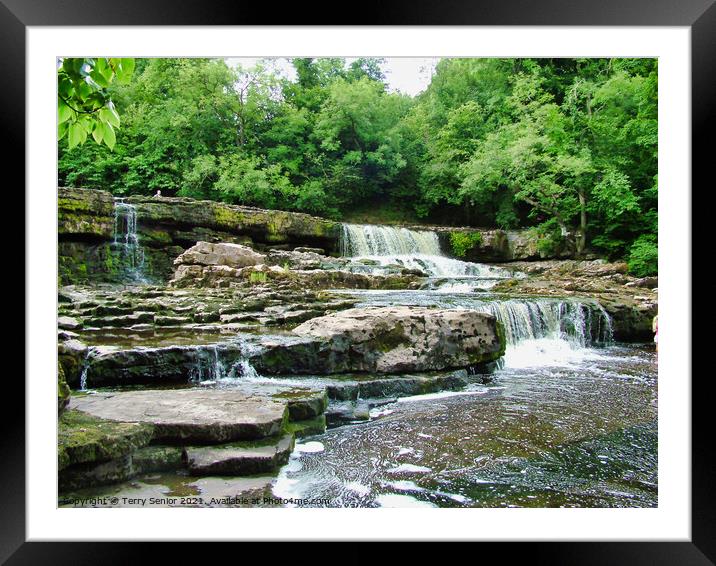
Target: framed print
x=423, y=276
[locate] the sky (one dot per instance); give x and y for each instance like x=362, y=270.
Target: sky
x=409, y=75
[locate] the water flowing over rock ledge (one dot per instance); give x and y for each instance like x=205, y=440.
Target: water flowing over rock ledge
x=263, y=334
x=166, y=226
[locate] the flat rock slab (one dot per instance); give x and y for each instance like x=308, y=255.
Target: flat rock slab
x=194, y=415
x=240, y=459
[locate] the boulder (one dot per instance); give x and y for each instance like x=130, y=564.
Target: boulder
x=646, y=282
x=386, y=340
x=68, y=323
x=71, y=355
x=164, y=364
x=277, y=276
x=95, y=474
x=86, y=439
x=265, y=226
x=85, y=214
x=308, y=427
x=152, y=459
x=232, y=255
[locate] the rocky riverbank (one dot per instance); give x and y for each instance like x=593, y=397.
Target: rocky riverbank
x=235, y=330
x=90, y=249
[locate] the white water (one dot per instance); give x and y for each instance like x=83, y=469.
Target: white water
x=543, y=332
x=83, y=376
x=127, y=241
x=84, y=372
x=211, y=369
x=374, y=249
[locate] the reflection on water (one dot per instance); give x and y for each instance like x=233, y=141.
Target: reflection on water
x=579, y=435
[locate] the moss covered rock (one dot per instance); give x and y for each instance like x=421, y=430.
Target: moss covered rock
x=83, y=439
x=85, y=214
x=179, y=215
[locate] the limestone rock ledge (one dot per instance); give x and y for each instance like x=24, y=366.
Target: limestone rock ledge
x=387, y=340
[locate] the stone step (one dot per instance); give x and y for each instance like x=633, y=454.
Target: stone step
x=238, y=459
x=84, y=439
x=191, y=415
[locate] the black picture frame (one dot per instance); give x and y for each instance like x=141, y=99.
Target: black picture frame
x=699, y=15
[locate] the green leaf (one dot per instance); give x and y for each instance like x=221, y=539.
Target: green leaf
x=109, y=115
x=61, y=130
x=64, y=112
x=98, y=132
x=125, y=70
x=109, y=137
x=84, y=90
x=76, y=134
x=99, y=78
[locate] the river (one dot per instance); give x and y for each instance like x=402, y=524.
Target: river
x=568, y=420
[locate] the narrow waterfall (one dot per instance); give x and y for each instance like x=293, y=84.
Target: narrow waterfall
x=83, y=375
x=127, y=241
x=85, y=367
x=377, y=249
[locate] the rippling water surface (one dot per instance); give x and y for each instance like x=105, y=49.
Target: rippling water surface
x=580, y=434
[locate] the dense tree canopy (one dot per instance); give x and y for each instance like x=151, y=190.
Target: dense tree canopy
x=565, y=146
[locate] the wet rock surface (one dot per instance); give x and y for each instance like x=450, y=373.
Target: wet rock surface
x=261, y=336
x=109, y=437
x=166, y=227
x=84, y=438
x=190, y=415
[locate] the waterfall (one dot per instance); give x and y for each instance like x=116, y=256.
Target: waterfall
x=543, y=332
x=222, y=365
x=84, y=371
x=378, y=249
x=539, y=331
x=127, y=241
x=83, y=376
x=368, y=240
x=580, y=323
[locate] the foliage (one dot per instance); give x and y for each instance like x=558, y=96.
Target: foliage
x=257, y=277
x=644, y=256
x=84, y=104
x=463, y=242
x=565, y=146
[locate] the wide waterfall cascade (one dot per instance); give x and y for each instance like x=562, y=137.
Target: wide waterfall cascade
x=367, y=240
x=543, y=332
x=127, y=241
x=374, y=249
